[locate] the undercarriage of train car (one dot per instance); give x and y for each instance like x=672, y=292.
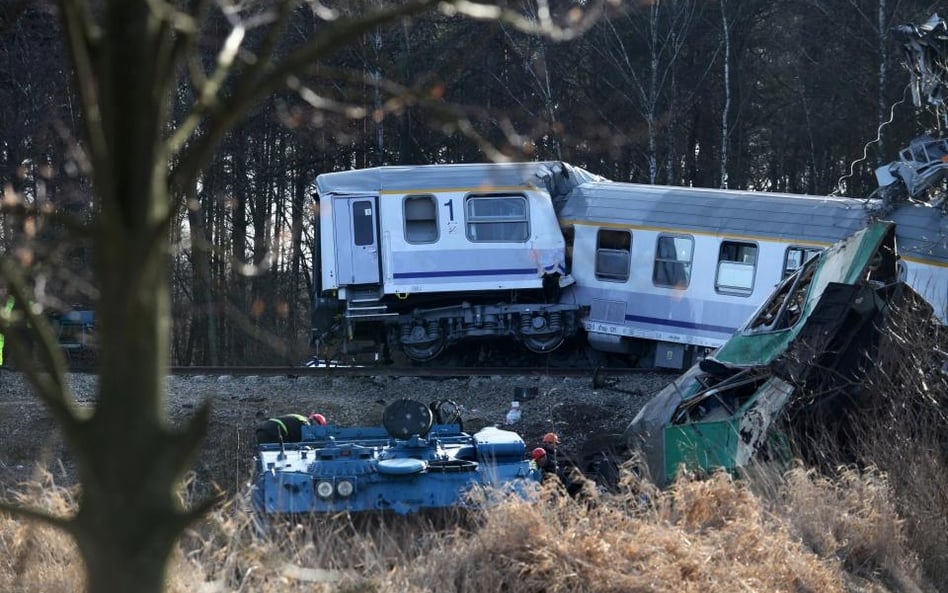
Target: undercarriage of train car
x=422, y=329
x=541, y=328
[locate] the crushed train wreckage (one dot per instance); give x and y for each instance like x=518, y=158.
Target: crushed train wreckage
x=802, y=356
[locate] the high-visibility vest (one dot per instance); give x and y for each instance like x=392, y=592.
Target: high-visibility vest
x=283, y=427
x=7, y=308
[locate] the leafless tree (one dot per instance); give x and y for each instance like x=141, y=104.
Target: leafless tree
x=146, y=160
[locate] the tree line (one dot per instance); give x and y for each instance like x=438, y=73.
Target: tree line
x=805, y=97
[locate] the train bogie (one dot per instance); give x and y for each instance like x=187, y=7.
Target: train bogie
x=540, y=328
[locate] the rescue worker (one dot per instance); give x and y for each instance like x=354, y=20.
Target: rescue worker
x=537, y=455
x=7, y=309
x=545, y=464
x=553, y=462
x=550, y=444
x=287, y=428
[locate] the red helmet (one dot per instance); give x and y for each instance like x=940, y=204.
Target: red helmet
x=551, y=438
x=538, y=453
x=317, y=419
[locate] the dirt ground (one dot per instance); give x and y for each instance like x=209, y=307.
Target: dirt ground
x=572, y=407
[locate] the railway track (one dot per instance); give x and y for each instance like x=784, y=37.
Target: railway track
x=397, y=371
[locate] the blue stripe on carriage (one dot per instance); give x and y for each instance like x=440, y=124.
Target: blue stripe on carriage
x=684, y=324
x=460, y=273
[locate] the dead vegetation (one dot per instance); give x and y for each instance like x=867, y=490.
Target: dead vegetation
x=901, y=433
x=816, y=534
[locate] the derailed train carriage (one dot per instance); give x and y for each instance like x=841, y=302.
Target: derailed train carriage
x=421, y=258
x=666, y=274
x=669, y=273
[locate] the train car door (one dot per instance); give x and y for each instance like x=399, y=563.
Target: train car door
x=357, y=246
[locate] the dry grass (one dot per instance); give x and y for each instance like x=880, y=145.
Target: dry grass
x=35, y=557
x=879, y=501
x=901, y=434
x=852, y=518
x=709, y=536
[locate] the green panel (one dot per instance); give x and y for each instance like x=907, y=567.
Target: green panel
x=700, y=445
x=756, y=349
x=842, y=263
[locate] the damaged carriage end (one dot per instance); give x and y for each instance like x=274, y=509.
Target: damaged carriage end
x=798, y=358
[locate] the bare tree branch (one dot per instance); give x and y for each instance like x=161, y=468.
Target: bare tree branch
x=36, y=515
x=83, y=39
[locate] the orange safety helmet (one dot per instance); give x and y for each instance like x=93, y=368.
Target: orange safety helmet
x=538, y=453
x=319, y=419
x=550, y=438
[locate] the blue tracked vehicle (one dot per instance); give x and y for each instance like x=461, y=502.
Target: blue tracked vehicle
x=409, y=464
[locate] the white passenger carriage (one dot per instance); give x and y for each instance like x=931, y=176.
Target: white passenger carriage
x=668, y=272
x=425, y=256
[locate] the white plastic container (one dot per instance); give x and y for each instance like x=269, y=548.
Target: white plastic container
x=513, y=415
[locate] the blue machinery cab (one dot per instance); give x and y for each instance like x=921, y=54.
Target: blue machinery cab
x=407, y=465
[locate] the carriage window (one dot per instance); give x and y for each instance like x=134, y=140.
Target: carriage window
x=421, y=219
x=497, y=218
x=362, y=232
x=673, y=256
x=613, y=255
x=796, y=257
x=737, y=264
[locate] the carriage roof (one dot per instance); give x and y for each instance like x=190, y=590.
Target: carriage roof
x=819, y=219
x=922, y=231
x=434, y=177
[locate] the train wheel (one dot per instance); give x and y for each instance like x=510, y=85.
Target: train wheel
x=421, y=341
x=423, y=352
x=542, y=344
x=542, y=332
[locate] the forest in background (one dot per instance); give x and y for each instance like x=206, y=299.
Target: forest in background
x=805, y=97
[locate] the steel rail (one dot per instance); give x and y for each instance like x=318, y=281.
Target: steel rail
x=406, y=371
x=396, y=371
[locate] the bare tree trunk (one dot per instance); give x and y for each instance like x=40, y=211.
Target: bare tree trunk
x=300, y=184
x=883, y=71
x=202, y=326
x=652, y=100
x=726, y=33
x=129, y=460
